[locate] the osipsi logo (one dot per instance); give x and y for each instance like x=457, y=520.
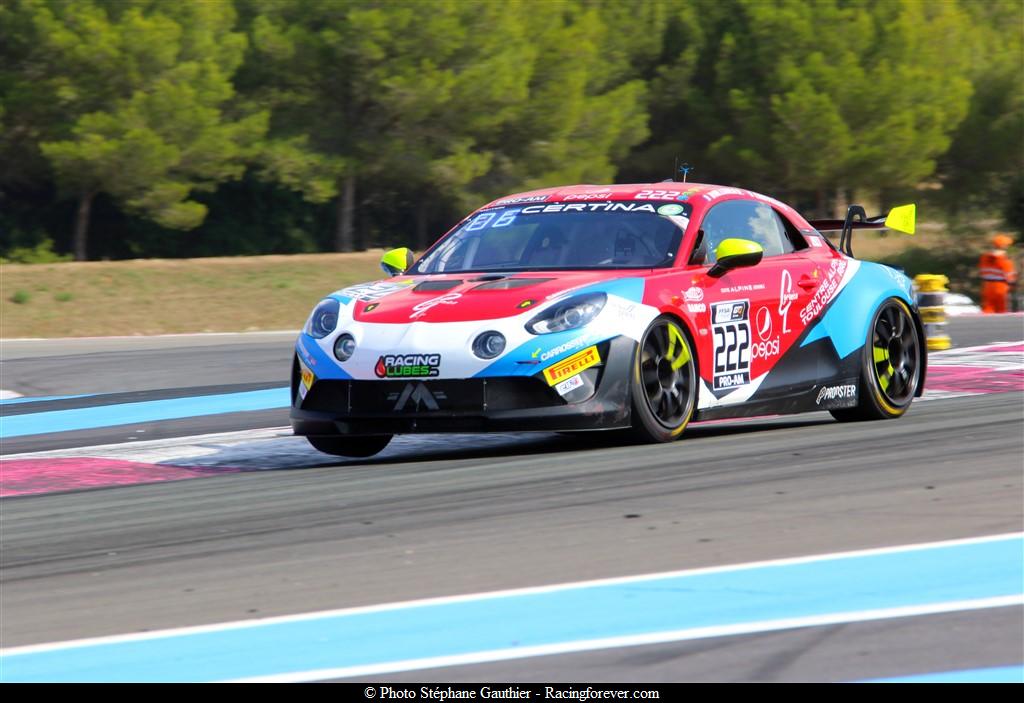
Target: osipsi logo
x=763, y=350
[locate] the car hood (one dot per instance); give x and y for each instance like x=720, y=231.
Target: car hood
x=464, y=297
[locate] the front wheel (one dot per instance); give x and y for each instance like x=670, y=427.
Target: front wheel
x=664, y=382
x=357, y=447
x=892, y=366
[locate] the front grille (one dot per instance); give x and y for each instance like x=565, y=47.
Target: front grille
x=428, y=397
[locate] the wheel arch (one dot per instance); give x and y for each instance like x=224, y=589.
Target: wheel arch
x=692, y=339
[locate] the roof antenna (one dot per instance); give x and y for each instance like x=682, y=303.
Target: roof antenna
x=685, y=169
x=675, y=170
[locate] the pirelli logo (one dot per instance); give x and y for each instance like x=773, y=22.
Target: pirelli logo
x=567, y=368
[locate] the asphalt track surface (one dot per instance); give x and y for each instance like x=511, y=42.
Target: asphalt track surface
x=475, y=514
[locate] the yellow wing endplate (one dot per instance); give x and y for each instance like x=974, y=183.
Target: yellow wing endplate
x=902, y=218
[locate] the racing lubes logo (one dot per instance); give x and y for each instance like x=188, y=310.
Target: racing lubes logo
x=421, y=309
x=847, y=391
x=407, y=365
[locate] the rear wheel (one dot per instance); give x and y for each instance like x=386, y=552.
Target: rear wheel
x=664, y=382
x=359, y=447
x=891, y=366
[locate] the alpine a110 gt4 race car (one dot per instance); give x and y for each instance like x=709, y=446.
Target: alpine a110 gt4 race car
x=608, y=307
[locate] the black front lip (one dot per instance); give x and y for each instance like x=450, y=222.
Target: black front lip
x=607, y=408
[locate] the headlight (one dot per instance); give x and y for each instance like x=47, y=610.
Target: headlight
x=344, y=347
x=489, y=344
x=324, y=319
x=568, y=315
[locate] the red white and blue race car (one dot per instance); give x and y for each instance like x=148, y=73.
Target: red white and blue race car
x=604, y=307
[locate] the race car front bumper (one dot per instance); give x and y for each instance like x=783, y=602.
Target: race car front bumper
x=496, y=404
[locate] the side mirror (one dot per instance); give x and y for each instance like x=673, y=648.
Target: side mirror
x=397, y=261
x=734, y=253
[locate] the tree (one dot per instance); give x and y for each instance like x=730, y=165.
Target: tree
x=985, y=162
x=586, y=102
x=805, y=98
x=363, y=91
x=140, y=97
x=451, y=104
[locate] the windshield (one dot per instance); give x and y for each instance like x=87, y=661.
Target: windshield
x=601, y=235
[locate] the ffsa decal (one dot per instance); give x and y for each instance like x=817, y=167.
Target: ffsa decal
x=730, y=326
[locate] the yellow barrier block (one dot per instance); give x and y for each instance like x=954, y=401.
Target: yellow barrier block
x=931, y=283
x=931, y=289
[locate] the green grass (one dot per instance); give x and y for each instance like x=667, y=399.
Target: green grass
x=161, y=296
x=238, y=294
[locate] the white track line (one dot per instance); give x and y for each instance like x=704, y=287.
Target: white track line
x=635, y=640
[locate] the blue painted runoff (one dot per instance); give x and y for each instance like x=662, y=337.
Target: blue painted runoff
x=144, y=411
x=930, y=574
x=995, y=674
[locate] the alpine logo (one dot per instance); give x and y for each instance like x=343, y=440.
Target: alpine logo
x=420, y=396
x=836, y=392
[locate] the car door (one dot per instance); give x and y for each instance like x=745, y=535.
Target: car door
x=751, y=315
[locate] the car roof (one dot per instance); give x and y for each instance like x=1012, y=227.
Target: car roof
x=701, y=195
x=621, y=191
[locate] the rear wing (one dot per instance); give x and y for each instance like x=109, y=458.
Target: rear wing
x=902, y=219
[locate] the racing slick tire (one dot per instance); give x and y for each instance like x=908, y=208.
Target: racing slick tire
x=663, y=384
x=357, y=447
x=891, y=366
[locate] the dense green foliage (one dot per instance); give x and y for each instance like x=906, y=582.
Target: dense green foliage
x=149, y=128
